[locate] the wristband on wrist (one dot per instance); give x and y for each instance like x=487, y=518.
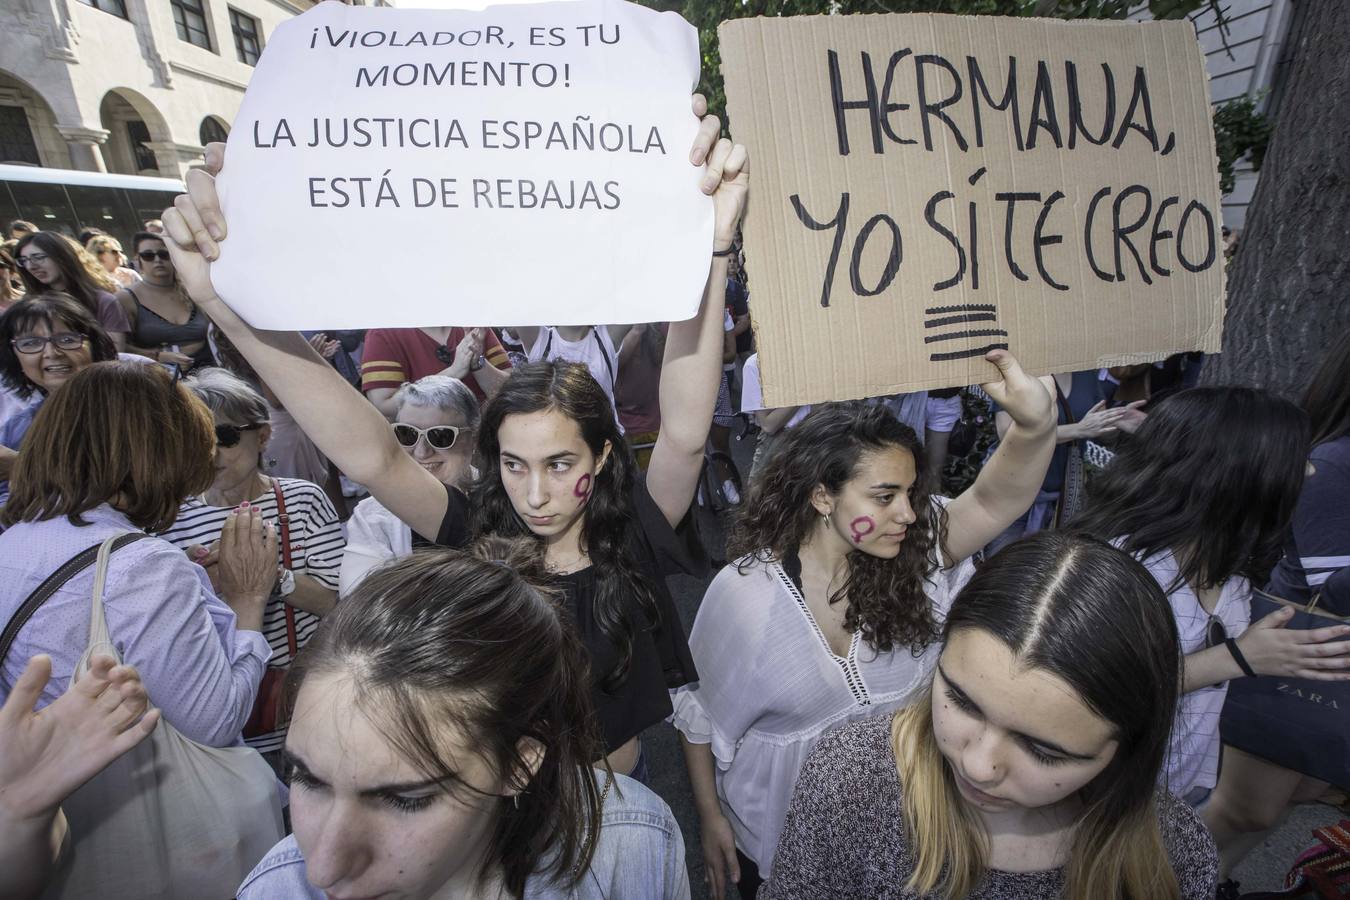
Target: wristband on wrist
x=1241, y=660
x=723, y=253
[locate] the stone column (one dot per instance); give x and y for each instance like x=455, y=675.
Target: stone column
x=85, y=146
x=175, y=159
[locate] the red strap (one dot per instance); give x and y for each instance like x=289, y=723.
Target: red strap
x=284, y=524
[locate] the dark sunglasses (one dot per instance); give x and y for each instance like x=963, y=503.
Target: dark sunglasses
x=440, y=437
x=149, y=255
x=228, y=435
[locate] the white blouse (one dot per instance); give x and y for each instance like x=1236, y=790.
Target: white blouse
x=769, y=687
x=374, y=536
x=1193, y=752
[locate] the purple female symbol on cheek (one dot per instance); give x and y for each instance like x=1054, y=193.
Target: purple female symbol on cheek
x=861, y=528
x=583, y=488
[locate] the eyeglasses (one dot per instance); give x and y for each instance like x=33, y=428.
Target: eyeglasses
x=30, y=259
x=149, y=255
x=440, y=437
x=36, y=343
x=228, y=435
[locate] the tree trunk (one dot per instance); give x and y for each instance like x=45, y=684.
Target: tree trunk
x=1289, y=284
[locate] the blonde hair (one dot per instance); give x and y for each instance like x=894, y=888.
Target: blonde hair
x=1083, y=611
x=93, y=267
x=1110, y=859
x=101, y=243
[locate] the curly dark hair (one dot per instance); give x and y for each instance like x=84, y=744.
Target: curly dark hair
x=887, y=600
x=570, y=389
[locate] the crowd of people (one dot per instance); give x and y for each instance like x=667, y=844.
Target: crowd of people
x=222, y=679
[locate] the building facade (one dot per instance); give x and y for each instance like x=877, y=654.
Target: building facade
x=135, y=87
x=1245, y=56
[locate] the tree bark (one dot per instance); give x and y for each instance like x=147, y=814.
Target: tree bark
x=1289, y=284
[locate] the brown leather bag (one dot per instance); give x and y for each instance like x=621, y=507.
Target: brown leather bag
x=270, y=712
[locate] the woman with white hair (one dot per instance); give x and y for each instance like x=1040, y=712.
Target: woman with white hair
x=434, y=422
x=308, y=531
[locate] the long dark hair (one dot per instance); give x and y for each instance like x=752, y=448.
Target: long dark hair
x=78, y=283
x=1091, y=615
x=473, y=639
x=53, y=309
x=1327, y=400
x=570, y=389
x=886, y=597
x=1211, y=476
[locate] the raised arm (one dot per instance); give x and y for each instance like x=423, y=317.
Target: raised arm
x=692, y=369
x=1009, y=482
x=349, y=431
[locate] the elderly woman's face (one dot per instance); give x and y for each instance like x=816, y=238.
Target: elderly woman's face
x=449, y=466
x=238, y=463
x=52, y=365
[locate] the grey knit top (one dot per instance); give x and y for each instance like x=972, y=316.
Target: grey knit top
x=845, y=832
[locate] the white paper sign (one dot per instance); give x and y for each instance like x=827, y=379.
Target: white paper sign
x=522, y=165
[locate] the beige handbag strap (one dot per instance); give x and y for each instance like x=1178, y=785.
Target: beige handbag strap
x=99, y=639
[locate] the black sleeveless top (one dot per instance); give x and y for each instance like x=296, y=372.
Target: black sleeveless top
x=150, y=329
x=661, y=659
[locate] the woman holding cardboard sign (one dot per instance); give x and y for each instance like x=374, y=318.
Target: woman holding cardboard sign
x=845, y=565
x=548, y=441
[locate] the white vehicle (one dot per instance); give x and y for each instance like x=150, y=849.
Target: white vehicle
x=69, y=201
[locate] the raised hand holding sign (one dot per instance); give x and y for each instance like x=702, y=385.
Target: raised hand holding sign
x=528, y=155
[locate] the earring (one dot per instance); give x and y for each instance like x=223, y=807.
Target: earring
x=826, y=517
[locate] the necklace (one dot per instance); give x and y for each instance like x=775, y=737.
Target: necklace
x=259, y=479
x=574, y=565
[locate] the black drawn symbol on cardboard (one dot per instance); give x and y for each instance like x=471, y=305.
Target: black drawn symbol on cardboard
x=962, y=317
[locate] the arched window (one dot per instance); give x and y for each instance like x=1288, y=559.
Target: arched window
x=211, y=131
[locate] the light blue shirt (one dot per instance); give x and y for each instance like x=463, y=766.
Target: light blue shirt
x=640, y=856
x=13, y=429
x=199, y=669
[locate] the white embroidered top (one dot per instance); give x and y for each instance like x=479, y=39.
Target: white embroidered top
x=769, y=687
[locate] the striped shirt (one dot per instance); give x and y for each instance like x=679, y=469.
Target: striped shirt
x=395, y=355
x=316, y=550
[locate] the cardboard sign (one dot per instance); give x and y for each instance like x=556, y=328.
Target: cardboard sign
x=521, y=165
x=927, y=187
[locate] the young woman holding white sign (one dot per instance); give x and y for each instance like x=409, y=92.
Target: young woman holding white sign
x=547, y=441
x=845, y=567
